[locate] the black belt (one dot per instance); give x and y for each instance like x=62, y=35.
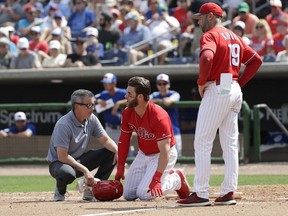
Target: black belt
x=114, y=127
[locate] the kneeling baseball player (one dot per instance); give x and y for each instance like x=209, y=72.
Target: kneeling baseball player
x=152, y=173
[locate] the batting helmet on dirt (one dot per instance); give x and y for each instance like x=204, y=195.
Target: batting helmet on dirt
x=107, y=190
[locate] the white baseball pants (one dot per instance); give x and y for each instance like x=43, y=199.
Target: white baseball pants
x=217, y=111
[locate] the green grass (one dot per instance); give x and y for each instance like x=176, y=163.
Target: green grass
x=11, y=184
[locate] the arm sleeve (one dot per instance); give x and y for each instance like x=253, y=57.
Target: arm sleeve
x=205, y=66
x=123, y=148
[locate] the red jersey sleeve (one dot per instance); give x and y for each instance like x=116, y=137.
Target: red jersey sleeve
x=124, y=139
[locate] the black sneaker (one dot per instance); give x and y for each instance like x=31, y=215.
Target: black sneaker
x=227, y=199
x=194, y=200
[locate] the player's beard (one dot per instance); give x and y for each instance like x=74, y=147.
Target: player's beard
x=206, y=25
x=133, y=103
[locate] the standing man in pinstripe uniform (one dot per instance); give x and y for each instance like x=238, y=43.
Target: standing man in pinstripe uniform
x=219, y=84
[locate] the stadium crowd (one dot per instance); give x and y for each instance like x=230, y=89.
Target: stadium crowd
x=79, y=33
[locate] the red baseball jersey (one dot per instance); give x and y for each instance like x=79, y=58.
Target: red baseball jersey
x=229, y=52
x=154, y=126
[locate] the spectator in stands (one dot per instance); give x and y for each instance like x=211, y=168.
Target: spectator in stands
x=66, y=46
x=39, y=10
x=124, y=10
x=166, y=96
x=11, y=11
x=248, y=18
x=81, y=58
x=130, y=5
x=5, y=55
x=134, y=33
x=48, y=20
x=12, y=36
x=111, y=111
x=63, y=5
x=80, y=18
x=153, y=8
x=181, y=13
x=92, y=44
x=21, y=128
x=107, y=35
x=41, y=48
x=5, y=33
x=116, y=21
x=55, y=58
x=282, y=56
x=24, y=25
x=275, y=15
x=278, y=37
x=239, y=29
x=262, y=39
x=160, y=25
x=25, y=58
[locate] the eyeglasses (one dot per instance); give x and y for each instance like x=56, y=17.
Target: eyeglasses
x=162, y=84
x=259, y=27
x=88, y=106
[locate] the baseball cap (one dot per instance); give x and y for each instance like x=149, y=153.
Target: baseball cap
x=4, y=40
x=10, y=28
x=23, y=43
x=39, y=6
x=4, y=31
x=29, y=7
x=240, y=24
x=58, y=14
x=36, y=29
x=92, y=31
x=20, y=116
x=131, y=15
x=276, y=3
x=243, y=7
x=54, y=44
x=163, y=77
x=209, y=8
x=109, y=78
x=56, y=31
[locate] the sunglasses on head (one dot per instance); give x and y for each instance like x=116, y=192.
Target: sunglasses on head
x=259, y=27
x=88, y=106
x=162, y=83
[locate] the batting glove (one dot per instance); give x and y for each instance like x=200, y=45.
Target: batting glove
x=155, y=185
x=120, y=173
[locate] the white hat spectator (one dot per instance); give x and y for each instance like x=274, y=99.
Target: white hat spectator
x=54, y=44
x=20, y=116
x=163, y=77
x=4, y=31
x=109, y=78
x=10, y=28
x=23, y=43
x=4, y=40
x=92, y=31
x=56, y=31
x=131, y=15
x=240, y=24
x=276, y=3
x=36, y=29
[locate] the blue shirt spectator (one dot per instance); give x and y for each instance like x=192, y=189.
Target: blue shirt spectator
x=80, y=19
x=63, y=5
x=21, y=128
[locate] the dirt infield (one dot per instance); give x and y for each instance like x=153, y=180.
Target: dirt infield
x=256, y=200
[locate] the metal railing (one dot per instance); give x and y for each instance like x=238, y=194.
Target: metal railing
x=257, y=128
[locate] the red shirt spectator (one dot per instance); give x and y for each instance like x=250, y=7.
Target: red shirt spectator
x=276, y=14
x=181, y=14
x=281, y=31
x=262, y=39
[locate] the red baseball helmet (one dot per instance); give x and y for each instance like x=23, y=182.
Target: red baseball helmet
x=107, y=190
